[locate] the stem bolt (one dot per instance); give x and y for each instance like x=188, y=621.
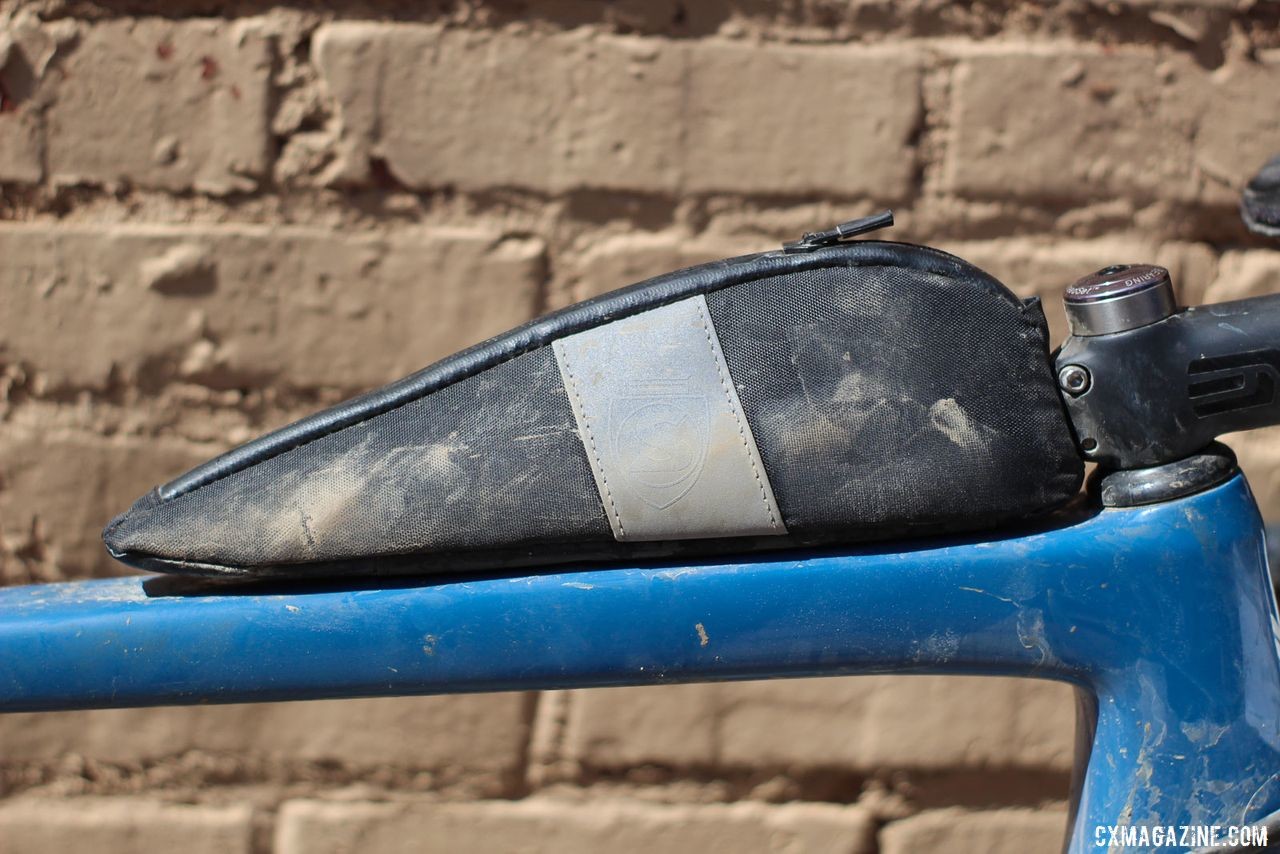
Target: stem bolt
x=1074, y=380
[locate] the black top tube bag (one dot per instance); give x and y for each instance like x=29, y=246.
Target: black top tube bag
x=847, y=392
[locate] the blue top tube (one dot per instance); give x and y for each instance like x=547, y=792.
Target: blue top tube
x=1162, y=615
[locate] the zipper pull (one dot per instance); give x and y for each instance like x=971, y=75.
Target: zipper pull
x=818, y=239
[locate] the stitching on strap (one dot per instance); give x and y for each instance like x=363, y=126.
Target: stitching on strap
x=586, y=426
x=742, y=433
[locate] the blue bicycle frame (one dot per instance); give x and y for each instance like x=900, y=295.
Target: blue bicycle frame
x=1162, y=616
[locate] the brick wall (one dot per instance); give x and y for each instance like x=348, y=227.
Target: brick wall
x=217, y=217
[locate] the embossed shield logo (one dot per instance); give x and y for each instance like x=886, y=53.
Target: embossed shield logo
x=661, y=444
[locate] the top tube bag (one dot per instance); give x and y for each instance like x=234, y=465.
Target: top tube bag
x=837, y=393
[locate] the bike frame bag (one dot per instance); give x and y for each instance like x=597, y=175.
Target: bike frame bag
x=830, y=393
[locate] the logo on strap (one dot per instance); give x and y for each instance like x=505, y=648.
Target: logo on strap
x=662, y=441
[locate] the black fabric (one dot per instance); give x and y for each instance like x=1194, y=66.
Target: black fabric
x=483, y=463
x=891, y=389
x=884, y=398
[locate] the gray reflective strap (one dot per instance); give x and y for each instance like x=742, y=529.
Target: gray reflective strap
x=669, y=445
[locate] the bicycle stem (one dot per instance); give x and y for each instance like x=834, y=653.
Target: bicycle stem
x=1147, y=385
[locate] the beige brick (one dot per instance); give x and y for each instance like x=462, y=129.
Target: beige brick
x=484, y=109
x=1010, y=831
x=248, y=305
x=1244, y=274
x=1084, y=125
x=69, y=486
x=620, y=261
x=1183, y=4
x=27, y=49
x=865, y=722
x=473, y=737
x=1044, y=267
x=174, y=105
x=801, y=120
x=20, y=146
x=121, y=826
x=578, y=110
x=563, y=827
x=1239, y=127
x=1193, y=267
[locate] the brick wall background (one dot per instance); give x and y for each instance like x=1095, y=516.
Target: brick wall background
x=216, y=217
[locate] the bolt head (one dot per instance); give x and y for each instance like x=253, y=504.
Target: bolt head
x=1074, y=379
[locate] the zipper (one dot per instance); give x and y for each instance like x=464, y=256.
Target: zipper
x=818, y=239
